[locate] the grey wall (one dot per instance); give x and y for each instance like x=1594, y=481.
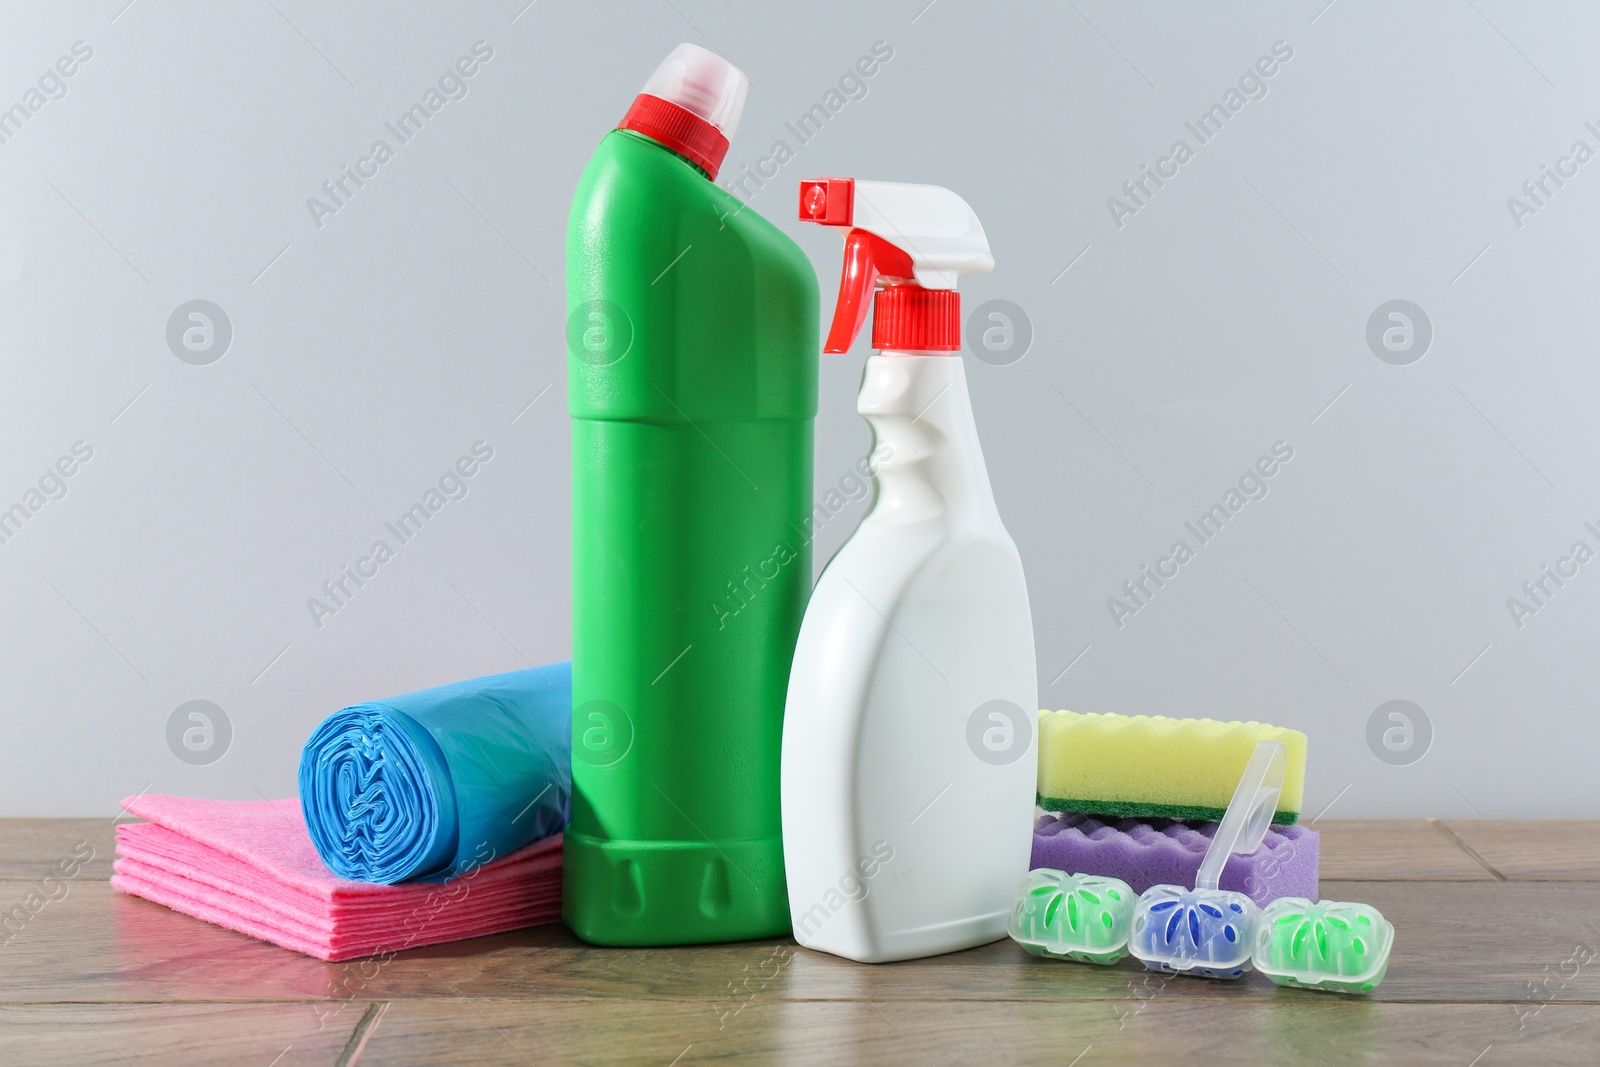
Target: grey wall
x=1172, y=345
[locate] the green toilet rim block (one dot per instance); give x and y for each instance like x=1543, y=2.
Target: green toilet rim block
x=1081, y=917
x=1330, y=945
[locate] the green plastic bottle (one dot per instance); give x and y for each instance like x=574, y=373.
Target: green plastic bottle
x=692, y=385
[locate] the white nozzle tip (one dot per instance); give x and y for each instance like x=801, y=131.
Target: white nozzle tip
x=702, y=82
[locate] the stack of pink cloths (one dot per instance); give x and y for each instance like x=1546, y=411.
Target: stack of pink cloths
x=250, y=866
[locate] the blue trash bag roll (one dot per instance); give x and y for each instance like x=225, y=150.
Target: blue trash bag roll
x=435, y=783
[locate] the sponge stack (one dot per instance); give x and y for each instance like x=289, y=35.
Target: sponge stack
x=1151, y=766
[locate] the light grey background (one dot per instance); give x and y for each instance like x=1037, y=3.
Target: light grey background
x=1229, y=313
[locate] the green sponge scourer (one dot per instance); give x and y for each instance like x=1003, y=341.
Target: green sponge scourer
x=1153, y=767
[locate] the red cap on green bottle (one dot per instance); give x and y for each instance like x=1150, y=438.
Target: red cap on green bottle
x=691, y=104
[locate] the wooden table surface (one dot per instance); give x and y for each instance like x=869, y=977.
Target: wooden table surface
x=1496, y=961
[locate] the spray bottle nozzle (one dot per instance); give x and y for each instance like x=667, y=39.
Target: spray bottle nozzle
x=913, y=240
x=826, y=200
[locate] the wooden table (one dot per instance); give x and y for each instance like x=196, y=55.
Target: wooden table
x=1496, y=961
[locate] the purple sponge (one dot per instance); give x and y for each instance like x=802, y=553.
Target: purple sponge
x=1147, y=852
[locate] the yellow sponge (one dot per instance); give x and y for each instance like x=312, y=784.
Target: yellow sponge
x=1150, y=766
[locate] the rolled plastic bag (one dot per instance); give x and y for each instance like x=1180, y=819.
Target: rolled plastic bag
x=436, y=783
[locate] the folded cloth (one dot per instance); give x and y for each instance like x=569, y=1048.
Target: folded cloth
x=249, y=866
x=1147, y=852
x=419, y=785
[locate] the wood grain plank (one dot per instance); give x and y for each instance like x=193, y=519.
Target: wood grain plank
x=1482, y=941
x=1557, y=850
x=1455, y=941
x=1269, y=1030
x=116, y=1035
x=1496, y=959
x=30, y=849
x=1393, y=849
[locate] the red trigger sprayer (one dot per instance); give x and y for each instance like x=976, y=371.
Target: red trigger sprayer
x=914, y=241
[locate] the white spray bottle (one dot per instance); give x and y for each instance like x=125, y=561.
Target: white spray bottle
x=909, y=747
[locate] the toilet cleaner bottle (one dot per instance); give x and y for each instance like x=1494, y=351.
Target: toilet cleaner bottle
x=692, y=386
x=909, y=748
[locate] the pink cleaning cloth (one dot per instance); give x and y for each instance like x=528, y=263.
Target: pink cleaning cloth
x=250, y=866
